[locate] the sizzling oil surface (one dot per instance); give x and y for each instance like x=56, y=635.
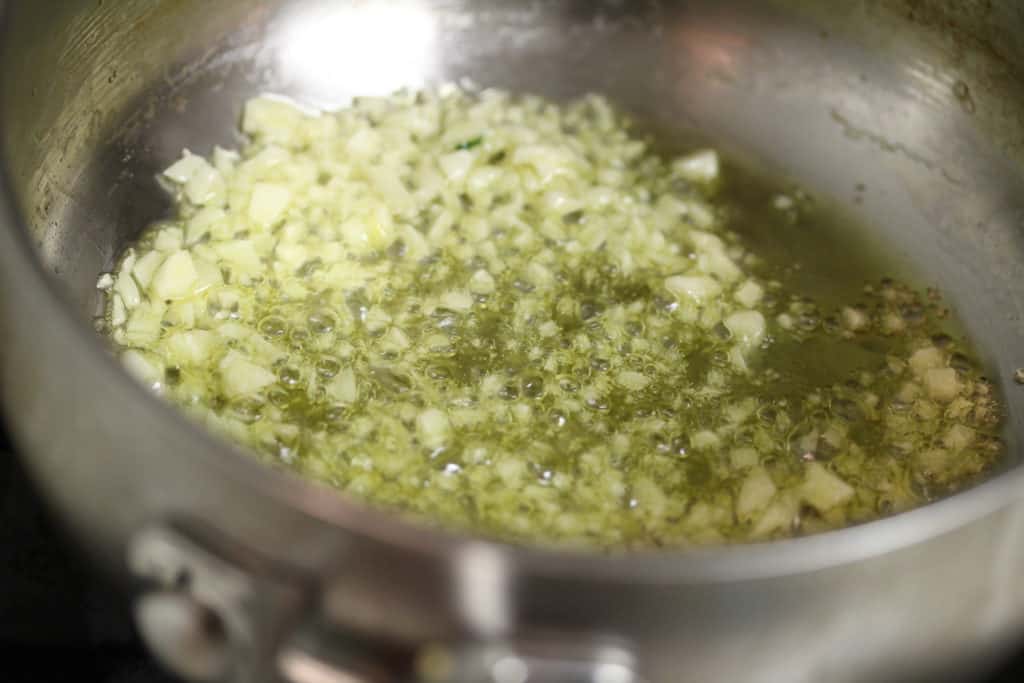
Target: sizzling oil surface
x=568, y=340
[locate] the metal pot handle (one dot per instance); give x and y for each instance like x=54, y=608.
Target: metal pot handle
x=206, y=618
x=209, y=619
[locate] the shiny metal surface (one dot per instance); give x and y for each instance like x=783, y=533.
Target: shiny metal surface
x=203, y=615
x=922, y=101
x=183, y=636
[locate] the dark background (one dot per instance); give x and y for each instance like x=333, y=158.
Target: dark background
x=60, y=622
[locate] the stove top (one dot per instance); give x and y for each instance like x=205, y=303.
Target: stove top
x=58, y=621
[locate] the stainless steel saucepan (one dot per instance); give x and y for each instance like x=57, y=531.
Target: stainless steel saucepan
x=242, y=573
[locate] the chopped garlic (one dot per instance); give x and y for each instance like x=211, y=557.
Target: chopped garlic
x=756, y=492
x=749, y=294
x=481, y=283
x=697, y=288
x=748, y=327
x=268, y=204
x=506, y=312
x=176, y=277
x=633, y=381
x=942, y=384
x=823, y=489
x=926, y=359
x=700, y=166
x=433, y=427
x=242, y=377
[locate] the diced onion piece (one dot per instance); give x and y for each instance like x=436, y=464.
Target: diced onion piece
x=743, y=458
x=369, y=231
x=432, y=427
x=941, y=384
x=700, y=214
x=224, y=160
x=183, y=169
x=209, y=275
x=822, y=489
x=481, y=283
x=388, y=183
x=457, y=301
x=182, y=314
x=242, y=377
x=749, y=294
x=176, y=278
x=200, y=225
x=926, y=359
x=522, y=413
x=193, y=347
x=263, y=351
x=118, y=313
x=699, y=167
x=144, y=367
x=206, y=186
x=377, y=320
x=396, y=340
x=958, y=437
x=169, y=239
x=696, y=288
x=128, y=290
x=291, y=255
x=650, y=497
x=201, y=181
x=757, y=491
x=783, y=202
x=481, y=179
x=268, y=203
x=934, y=460
x=144, y=324
x=146, y=267
x=549, y=161
x=633, y=381
x=748, y=327
x=854, y=319
x=719, y=264
x=538, y=275
x=364, y=145
x=457, y=165
x=706, y=242
x=777, y=517
x=343, y=388
x=271, y=119
x=705, y=439
x=240, y=255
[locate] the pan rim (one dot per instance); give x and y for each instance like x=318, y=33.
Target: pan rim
x=729, y=563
